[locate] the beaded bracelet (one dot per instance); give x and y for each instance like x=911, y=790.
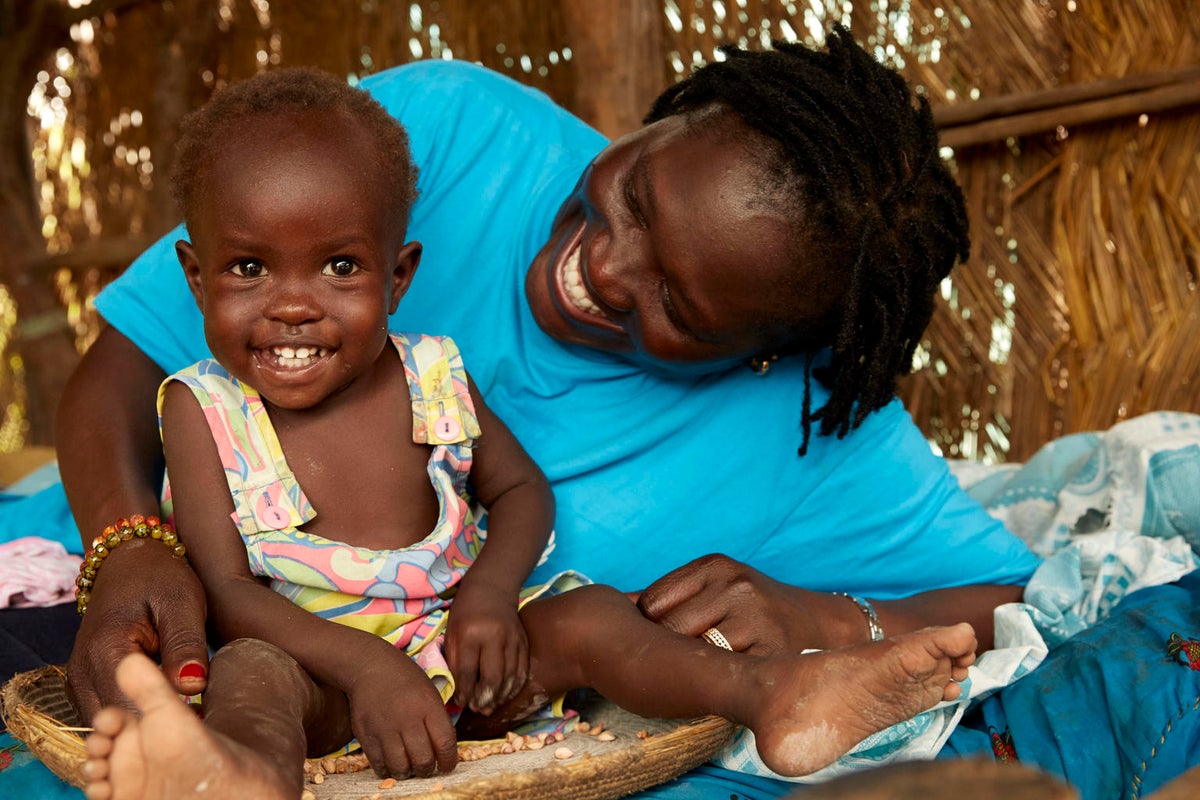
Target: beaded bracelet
x=110, y=539
x=868, y=611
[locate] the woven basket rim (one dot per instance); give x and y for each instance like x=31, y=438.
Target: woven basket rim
x=594, y=776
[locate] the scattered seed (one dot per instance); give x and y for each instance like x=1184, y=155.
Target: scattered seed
x=387, y=783
x=535, y=744
x=583, y=726
x=563, y=753
x=605, y=737
x=642, y=734
x=319, y=777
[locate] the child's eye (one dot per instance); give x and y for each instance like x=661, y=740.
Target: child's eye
x=248, y=269
x=341, y=267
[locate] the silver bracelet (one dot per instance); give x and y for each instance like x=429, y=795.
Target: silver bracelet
x=868, y=611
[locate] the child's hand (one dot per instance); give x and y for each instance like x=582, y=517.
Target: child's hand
x=486, y=648
x=399, y=719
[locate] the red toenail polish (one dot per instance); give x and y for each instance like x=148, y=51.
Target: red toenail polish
x=192, y=670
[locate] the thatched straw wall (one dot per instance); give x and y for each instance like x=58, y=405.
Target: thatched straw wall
x=1078, y=307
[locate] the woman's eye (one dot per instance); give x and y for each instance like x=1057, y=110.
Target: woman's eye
x=248, y=269
x=632, y=203
x=671, y=312
x=340, y=267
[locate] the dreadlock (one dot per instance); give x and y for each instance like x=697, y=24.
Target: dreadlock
x=291, y=89
x=879, y=210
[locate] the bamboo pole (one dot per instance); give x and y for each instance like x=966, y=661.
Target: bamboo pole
x=1148, y=101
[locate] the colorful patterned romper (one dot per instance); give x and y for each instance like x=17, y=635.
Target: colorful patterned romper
x=402, y=595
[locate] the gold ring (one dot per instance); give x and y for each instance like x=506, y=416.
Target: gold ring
x=714, y=636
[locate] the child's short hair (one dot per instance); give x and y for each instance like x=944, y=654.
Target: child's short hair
x=287, y=89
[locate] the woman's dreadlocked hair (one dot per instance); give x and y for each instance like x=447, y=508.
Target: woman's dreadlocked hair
x=880, y=211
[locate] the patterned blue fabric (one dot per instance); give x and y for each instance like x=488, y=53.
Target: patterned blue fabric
x=1112, y=710
x=23, y=777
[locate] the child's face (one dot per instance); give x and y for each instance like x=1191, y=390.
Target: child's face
x=296, y=259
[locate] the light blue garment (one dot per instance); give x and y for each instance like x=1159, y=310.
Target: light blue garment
x=649, y=470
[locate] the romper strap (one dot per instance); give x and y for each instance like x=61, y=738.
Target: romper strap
x=443, y=412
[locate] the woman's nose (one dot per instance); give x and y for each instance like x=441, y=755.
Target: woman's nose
x=609, y=271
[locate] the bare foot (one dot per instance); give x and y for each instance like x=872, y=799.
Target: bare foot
x=820, y=705
x=168, y=754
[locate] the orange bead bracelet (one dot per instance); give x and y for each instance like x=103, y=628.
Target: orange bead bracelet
x=136, y=527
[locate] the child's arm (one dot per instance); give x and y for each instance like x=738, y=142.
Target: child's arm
x=485, y=643
x=395, y=711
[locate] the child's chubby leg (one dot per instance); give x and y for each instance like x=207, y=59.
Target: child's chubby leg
x=251, y=743
x=805, y=710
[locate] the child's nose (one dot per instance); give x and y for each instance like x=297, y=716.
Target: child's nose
x=293, y=307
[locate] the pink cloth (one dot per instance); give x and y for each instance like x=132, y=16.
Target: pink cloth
x=36, y=572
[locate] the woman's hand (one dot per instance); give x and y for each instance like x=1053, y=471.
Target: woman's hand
x=486, y=648
x=146, y=599
x=756, y=614
x=399, y=719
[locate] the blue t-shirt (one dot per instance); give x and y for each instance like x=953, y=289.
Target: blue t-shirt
x=650, y=469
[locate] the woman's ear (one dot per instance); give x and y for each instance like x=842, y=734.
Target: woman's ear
x=402, y=274
x=191, y=270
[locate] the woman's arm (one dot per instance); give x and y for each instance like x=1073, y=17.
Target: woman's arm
x=485, y=645
x=144, y=598
x=761, y=615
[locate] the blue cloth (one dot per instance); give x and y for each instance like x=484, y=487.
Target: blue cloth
x=23, y=776
x=1115, y=710
x=42, y=512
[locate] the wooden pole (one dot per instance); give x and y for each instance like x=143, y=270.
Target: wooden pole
x=617, y=49
x=1165, y=98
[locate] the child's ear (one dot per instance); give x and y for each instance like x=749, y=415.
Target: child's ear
x=191, y=270
x=406, y=266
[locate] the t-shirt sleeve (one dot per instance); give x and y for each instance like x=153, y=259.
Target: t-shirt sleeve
x=153, y=307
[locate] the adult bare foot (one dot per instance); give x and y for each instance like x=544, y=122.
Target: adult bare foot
x=821, y=705
x=168, y=754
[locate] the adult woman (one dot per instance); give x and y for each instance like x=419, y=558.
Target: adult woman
x=788, y=203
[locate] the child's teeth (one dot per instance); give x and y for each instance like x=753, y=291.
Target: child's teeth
x=297, y=356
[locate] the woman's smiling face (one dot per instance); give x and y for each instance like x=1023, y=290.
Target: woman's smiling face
x=665, y=248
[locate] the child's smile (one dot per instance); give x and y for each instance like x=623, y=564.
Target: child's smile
x=291, y=358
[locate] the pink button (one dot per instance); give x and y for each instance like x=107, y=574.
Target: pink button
x=274, y=515
x=446, y=428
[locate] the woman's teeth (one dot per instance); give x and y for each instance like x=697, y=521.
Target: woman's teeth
x=297, y=356
x=573, y=283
